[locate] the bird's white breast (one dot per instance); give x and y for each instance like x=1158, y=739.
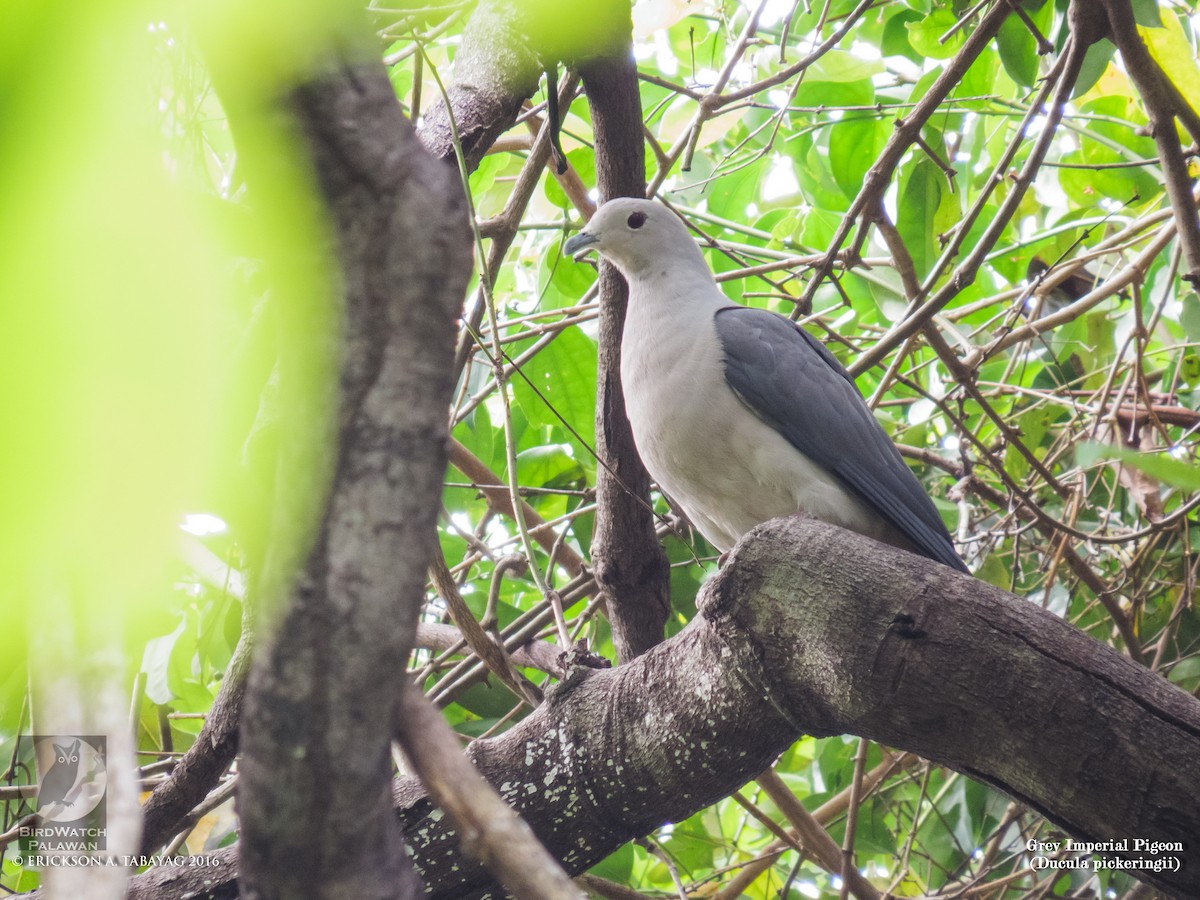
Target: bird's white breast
x=724, y=466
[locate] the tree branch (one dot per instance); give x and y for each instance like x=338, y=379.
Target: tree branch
x=493, y=832
x=964, y=274
x=493, y=488
x=908, y=129
x=811, y=629
x=1163, y=103
x=629, y=562
x=535, y=654
x=201, y=767
x=494, y=71
x=313, y=800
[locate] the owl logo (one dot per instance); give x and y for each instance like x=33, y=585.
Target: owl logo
x=74, y=781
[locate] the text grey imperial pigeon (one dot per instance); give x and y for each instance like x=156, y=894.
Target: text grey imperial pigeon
x=739, y=414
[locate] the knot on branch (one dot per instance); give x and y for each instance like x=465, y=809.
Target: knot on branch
x=905, y=626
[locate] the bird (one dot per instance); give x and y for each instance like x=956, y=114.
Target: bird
x=1063, y=367
x=738, y=413
x=1076, y=285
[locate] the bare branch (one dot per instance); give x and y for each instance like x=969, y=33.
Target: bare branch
x=199, y=769
x=630, y=565
x=907, y=130
x=491, y=832
x=812, y=629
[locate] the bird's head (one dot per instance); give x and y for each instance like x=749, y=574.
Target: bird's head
x=634, y=235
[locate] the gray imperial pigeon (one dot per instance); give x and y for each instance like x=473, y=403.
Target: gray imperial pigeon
x=739, y=414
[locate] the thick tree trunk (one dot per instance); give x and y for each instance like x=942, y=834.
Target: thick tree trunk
x=313, y=798
x=811, y=629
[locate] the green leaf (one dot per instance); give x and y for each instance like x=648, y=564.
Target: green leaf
x=786, y=228
x=548, y=465
x=156, y=663
x=559, y=385
x=816, y=181
x=1189, y=318
x=819, y=227
x=729, y=196
x=920, y=196
x=1018, y=51
x=1162, y=466
x=1186, y=674
x=895, y=40
x=489, y=191
x=926, y=34
x=842, y=66
x=1095, y=61
x=854, y=144
x=1146, y=13
x=181, y=664
x=815, y=92
x=1190, y=369
x=1111, y=137
x=616, y=866
x=690, y=844
x=479, y=435
x=1171, y=49
x=994, y=571
x=979, y=79
x=564, y=281
x=489, y=700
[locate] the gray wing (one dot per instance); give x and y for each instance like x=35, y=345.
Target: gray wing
x=798, y=387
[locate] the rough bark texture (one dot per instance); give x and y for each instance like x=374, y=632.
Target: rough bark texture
x=201, y=767
x=314, y=798
x=494, y=71
x=506, y=46
x=811, y=629
x=498, y=837
x=901, y=651
x=613, y=755
x=628, y=560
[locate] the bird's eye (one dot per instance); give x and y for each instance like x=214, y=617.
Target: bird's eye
x=636, y=220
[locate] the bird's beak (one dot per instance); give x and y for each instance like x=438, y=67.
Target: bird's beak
x=579, y=243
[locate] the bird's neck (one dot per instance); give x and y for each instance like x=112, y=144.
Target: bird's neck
x=679, y=288
x=668, y=311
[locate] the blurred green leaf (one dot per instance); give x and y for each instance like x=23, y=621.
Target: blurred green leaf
x=841, y=65
x=895, y=35
x=1018, y=51
x=617, y=866
x=1171, y=49
x=1161, y=466
x=1097, y=59
x=928, y=35
x=548, y=465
